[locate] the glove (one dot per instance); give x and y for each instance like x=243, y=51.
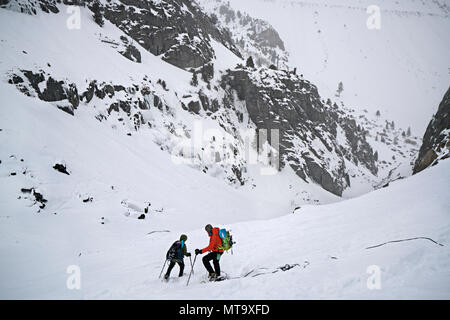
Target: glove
x=198, y=251
x=188, y=254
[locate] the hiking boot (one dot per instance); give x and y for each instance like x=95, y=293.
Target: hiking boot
x=220, y=278
x=166, y=276
x=212, y=276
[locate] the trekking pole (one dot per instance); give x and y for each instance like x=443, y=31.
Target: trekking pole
x=192, y=268
x=162, y=268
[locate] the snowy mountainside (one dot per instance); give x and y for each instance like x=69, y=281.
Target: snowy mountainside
x=323, y=142
x=395, y=151
x=154, y=99
x=436, y=140
x=401, y=69
x=101, y=169
x=179, y=31
x=308, y=129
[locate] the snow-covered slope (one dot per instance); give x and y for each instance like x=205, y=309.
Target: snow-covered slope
x=142, y=92
x=436, y=140
x=401, y=69
x=22, y=48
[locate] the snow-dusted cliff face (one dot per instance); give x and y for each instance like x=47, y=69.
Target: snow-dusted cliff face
x=177, y=30
x=126, y=123
x=401, y=69
x=324, y=142
x=314, y=137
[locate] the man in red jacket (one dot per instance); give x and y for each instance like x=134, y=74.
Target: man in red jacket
x=215, y=252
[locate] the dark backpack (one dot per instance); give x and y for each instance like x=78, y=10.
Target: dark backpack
x=175, y=251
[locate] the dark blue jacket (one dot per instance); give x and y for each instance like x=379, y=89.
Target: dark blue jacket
x=177, y=251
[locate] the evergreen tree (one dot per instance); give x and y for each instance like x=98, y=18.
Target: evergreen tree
x=214, y=19
x=408, y=133
x=340, y=89
x=194, y=80
x=250, y=63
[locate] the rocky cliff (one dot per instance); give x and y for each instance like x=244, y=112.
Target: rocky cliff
x=436, y=141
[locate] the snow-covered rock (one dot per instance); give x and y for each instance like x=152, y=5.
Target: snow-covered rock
x=322, y=141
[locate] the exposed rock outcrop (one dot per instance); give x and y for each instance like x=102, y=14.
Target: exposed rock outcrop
x=48, y=89
x=436, y=141
x=323, y=142
x=66, y=97
x=307, y=128
x=177, y=30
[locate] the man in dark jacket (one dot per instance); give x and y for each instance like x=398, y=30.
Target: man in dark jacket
x=214, y=254
x=176, y=254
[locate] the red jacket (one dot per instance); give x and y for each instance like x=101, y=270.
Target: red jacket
x=214, y=242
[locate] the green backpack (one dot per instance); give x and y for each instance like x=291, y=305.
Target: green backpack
x=227, y=240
